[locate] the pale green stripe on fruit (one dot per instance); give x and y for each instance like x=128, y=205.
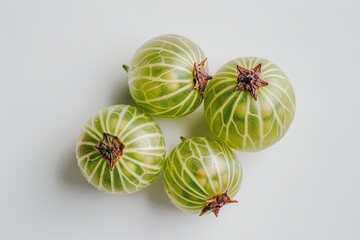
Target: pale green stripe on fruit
x=260, y=129
x=161, y=75
x=131, y=126
x=219, y=167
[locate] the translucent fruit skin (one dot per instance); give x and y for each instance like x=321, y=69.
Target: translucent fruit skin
x=199, y=169
x=143, y=155
x=242, y=122
x=161, y=76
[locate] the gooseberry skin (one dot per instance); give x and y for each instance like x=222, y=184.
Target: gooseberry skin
x=161, y=78
x=142, y=158
x=238, y=119
x=199, y=169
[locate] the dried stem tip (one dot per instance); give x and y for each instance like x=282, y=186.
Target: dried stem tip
x=201, y=77
x=216, y=203
x=250, y=80
x=111, y=149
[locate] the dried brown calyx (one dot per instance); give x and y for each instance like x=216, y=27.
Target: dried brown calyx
x=111, y=149
x=201, y=77
x=216, y=203
x=250, y=80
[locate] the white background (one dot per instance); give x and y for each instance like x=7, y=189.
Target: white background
x=60, y=62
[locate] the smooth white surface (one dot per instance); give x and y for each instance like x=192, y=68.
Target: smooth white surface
x=61, y=62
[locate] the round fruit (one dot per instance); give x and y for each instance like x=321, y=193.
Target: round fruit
x=121, y=150
x=168, y=75
x=201, y=175
x=249, y=104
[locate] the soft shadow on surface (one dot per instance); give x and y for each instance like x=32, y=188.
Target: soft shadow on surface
x=156, y=195
x=70, y=172
x=197, y=125
x=119, y=92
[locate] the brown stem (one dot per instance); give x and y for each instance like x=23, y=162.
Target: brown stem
x=216, y=203
x=111, y=149
x=250, y=80
x=201, y=77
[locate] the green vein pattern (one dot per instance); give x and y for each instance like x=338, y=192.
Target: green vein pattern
x=199, y=169
x=161, y=76
x=143, y=156
x=242, y=122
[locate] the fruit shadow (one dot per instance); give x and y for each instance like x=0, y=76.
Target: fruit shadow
x=70, y=172
x=198, y=125
x=119, y=92
x=156, y=195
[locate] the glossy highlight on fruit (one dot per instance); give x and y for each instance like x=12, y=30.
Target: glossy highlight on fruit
x=168, y=75
x=249, y=104
x=201, y=175
x=121, y=150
